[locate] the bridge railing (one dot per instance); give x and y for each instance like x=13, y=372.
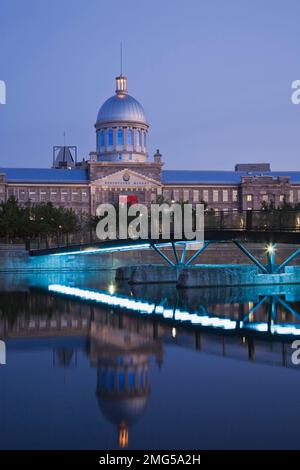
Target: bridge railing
x=243, y=221
x=261, y=220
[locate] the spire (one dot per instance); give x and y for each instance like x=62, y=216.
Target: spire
x=121, y=58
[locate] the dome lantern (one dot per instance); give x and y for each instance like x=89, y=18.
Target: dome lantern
x=121, y=85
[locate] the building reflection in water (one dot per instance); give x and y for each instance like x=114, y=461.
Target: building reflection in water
x=121, y=349
x=122, y=344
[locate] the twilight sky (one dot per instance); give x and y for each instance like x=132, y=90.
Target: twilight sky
x=214, y=77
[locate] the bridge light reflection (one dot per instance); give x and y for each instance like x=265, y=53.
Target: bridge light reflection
x=178, y=315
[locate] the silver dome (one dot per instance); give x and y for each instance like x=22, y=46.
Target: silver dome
x=122, y=107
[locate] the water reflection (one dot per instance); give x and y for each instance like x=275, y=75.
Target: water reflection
x=122, y=355
x=124, y=333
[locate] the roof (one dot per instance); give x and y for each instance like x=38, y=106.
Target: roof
x=75, y=175
x=44, y=175
x=220, y=177
x=121, y=108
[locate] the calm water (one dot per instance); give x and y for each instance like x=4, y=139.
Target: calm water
x=95, y=365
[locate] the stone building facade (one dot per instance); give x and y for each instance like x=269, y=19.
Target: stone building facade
x=121, y=168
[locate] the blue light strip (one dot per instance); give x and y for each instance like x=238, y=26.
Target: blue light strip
x=140, y=246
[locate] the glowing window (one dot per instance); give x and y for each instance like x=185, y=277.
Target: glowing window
x=110, y=137
x=121, y=381
x=102, y=138
x=131, y=381
x=249, y=198
x=120, y=137
x=138, y=137
x=129, y=137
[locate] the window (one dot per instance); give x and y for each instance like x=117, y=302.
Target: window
x=186, y=195
x=225, y=195
x=249, y=197
x=291, y=196
x=119, y=156
x=102, y=138
x=176, y=195
x=234, y=195
x=130, y=156
x=138, y=137
x=195, y=195
x=265, y=198
x=298, y=195
x=215, y=195
x=129, y=137
x=110, y=137
x=205, y=195
x=167, y=194
x=145, y=139
x=120, y=137
x=282, y=198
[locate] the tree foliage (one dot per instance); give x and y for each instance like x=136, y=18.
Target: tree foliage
x=35, y=220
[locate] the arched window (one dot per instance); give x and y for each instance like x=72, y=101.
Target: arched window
x=145, y=141
x=119, y=156
x=129, y=137
x=120, y=137
x=131, y=380
x=103, y=378
x=138, y=137
x=102, y=138
x=111, y=380
x=121, y=381
x=110, y=137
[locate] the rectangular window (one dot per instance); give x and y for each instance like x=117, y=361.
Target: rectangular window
x=215, y=195
x=205, y=195
x=282, y=198
x=225, y=195
x=186, y=195
x=167, y=194
x=234, y=195
x=298, y=195
x=64, y=195
x=291, y=196
x=265, y=198
x=22, y=195
x=195, y=195
x=249, y=198
x=176, y=195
